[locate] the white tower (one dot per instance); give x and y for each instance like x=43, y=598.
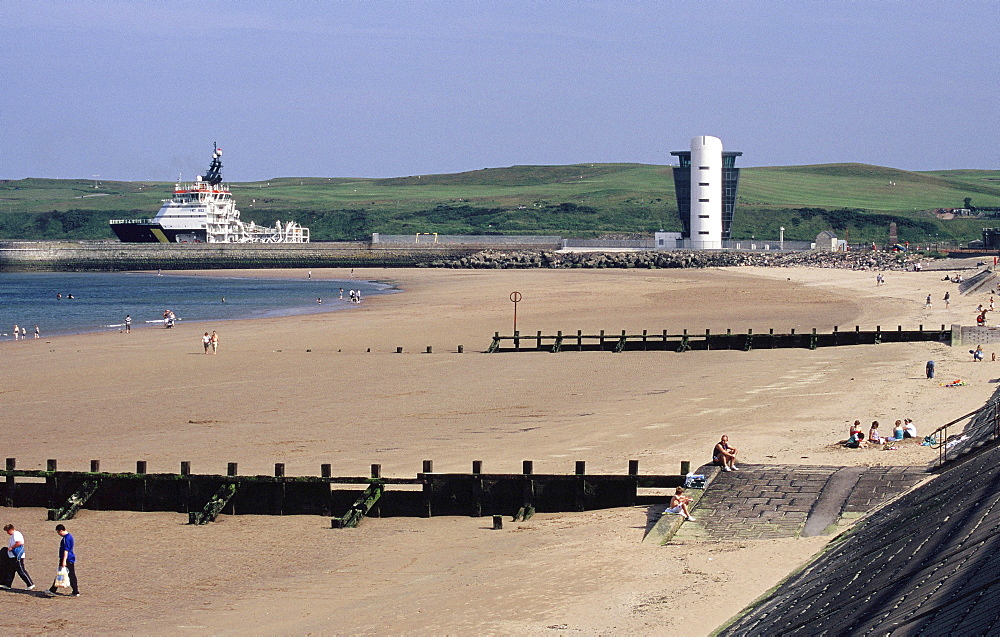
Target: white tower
x=706, y=193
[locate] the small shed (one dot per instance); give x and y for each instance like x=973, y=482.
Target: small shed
x=826, y=240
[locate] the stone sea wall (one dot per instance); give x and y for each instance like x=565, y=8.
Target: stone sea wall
x=109, y=256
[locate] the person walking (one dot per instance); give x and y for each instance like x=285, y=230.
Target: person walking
x=206, y=340
x=215, y=342
x=17, y=332
x=37, y=335
x=947, y=299
x=67, y=559
x=15, y=551
x=927, y=303
x=128, y=323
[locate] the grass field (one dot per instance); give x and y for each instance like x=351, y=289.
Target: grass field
x=582, y=200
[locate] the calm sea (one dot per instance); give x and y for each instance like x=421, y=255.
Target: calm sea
x=101, y=300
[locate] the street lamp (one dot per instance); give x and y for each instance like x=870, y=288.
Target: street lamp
x=781, y=237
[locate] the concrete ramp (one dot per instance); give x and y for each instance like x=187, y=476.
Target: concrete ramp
x=981, y=282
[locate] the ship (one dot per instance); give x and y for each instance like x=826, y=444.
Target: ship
x=204, y=212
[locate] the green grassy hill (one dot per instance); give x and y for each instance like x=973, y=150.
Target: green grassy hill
x=582, y=200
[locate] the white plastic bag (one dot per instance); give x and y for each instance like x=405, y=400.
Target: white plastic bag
x=62, y=578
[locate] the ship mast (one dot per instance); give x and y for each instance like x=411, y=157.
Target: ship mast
x=214, y=176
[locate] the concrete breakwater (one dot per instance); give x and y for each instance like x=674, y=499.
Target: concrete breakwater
x=19, y=256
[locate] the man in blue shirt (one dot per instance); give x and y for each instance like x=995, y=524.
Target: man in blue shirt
x=67, y=559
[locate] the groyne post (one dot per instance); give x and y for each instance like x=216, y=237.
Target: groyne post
x=633, y=472
x=428, y=487
x=52, y=482
x=8, y=498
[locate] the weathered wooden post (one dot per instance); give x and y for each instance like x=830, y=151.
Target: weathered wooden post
x=185, y=494
x=708, y=339
x=497, y=522
x=376, y=471
x=461, y=349
x=428, y=488
x=685, y=467
x=52, y=483
x=140, y=469
x=399, y=350
x=95, y=466
x=580, y=491
x=430, y=350
x=326, y=470
x=279, y=472
x=232, y=469
x=477, y=489
x=579, y=340
x=633, y=471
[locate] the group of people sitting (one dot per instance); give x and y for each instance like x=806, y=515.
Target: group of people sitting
x=902, y=429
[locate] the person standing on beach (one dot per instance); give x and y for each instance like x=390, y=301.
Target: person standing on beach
x=206, y=340
x=927, y=303
x=17, y=332
x=947, y=299
x=15, y=550
x=67, y=559
x=215, y=342
x=128, y=323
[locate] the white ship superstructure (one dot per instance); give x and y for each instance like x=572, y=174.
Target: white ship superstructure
x=204, y=212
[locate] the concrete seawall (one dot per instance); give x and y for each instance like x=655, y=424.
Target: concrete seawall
x=21, y=256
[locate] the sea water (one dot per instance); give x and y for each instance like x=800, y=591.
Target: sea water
x=100, y=301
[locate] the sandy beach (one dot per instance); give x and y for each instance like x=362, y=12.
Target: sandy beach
x=330, y=388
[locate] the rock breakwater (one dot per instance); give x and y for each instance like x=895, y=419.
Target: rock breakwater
x=498, y=259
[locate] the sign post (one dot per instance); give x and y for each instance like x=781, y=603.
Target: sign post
x=515, y=298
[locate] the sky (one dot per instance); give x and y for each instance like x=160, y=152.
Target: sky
x=378, y=88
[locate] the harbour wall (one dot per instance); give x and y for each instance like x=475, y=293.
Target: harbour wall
x=53, y=256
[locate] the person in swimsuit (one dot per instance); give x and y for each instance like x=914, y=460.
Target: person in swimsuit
x=679, y=504
x=724, y=455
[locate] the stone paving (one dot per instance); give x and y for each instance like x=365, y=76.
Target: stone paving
x=774, y=501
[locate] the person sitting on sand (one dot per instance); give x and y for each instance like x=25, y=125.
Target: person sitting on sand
x=857, y=441
x=724, y=456
x=679, y=504
x=897, y=430
x=909, y=429
x=855, y=428
x=873, y=435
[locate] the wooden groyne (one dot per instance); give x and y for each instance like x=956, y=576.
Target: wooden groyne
x=346, y=500
x=664, y=341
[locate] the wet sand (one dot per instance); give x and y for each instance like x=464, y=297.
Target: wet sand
x=305, y=390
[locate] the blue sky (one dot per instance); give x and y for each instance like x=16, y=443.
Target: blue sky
x=140, y=90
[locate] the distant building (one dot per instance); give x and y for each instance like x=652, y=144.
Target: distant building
x=667, y=240
x=826, y=240
x=705, y=182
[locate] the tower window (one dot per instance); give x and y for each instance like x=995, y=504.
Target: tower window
x=703, y=183
x=703, y=232
x=703, y=216
x=702, y=167
x=703, y=200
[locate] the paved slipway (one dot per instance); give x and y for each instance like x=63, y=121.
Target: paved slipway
x=774, y=501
